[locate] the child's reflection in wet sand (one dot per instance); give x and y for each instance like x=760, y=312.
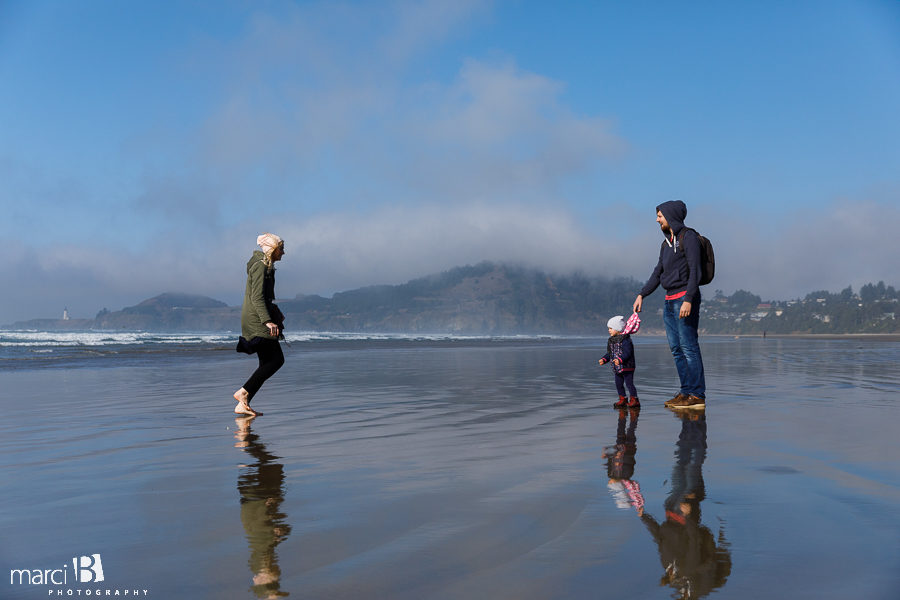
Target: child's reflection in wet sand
x=620, y=462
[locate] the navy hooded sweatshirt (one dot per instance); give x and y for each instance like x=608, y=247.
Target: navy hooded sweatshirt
x=678, y=269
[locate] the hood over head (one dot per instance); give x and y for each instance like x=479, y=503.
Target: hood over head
x=675, y=211
x=257, y=256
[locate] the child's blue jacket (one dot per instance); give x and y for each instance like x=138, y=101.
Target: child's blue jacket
x=620, y=346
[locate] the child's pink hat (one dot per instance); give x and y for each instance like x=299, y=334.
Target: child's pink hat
x=633, y=324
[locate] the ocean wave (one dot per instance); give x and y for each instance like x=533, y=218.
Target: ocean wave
x=107, y=338
x=42, y=339
x=334, y=336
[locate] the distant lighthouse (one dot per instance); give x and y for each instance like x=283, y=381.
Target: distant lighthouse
x=66, y=314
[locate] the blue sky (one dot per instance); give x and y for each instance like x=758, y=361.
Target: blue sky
x=145, y=144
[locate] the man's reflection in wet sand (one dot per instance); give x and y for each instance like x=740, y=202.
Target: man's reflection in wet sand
x=695, y=562
x=261, y=485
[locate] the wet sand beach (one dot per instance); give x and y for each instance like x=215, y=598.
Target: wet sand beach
x=462, y=469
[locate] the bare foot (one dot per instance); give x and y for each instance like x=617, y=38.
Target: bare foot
x=243, y=404
x=243, y=408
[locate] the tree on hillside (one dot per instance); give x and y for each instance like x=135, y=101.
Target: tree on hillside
x=742, y=299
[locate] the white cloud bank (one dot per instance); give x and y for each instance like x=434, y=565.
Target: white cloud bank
x=839, y=246
x=848, y=242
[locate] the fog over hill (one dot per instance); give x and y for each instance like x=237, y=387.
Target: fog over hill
x=502, y=299
x=487, y=298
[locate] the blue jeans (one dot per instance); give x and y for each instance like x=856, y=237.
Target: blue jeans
x=626, y=378
x=687, y=473
x=682, y=336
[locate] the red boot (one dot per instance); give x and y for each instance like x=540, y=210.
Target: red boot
x=634, y=402
x=622, y=403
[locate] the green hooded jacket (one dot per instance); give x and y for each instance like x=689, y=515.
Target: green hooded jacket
x=259, y=299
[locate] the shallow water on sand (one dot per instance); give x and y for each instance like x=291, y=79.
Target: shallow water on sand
x=460, y=470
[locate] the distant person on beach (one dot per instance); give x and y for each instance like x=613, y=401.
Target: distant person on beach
x=620, y=351
x=261, y=321
x=678, y=271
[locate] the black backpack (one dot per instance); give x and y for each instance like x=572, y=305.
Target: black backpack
x=707, y=256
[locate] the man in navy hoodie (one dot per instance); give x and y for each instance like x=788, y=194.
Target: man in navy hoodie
x=678, y=271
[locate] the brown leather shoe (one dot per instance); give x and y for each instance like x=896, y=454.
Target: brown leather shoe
x=687, y=402
x=696, y=401
x=678, y=398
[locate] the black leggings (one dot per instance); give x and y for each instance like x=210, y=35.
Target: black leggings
x=270, y=360
x=623, y=379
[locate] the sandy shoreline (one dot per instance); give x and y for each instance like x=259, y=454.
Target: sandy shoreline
x=886, y=337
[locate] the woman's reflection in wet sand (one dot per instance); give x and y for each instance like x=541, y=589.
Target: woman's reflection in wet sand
x=695, y=562
x=261, y=485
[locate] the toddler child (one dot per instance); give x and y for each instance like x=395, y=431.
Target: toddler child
x=620, y=351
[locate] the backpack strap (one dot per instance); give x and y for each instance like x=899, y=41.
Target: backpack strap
x=681, y=233
x=681, y=236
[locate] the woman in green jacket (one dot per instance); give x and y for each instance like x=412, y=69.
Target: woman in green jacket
x=261, y=321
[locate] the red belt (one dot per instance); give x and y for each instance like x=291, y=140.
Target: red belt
x=675, y=517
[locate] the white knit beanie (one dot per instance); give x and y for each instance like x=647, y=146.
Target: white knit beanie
x=617, y=323
x=268, y=242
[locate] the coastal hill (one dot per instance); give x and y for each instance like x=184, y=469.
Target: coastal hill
x=486, y=298
x=873, y=309
x=499, y=299
x=171, y=312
